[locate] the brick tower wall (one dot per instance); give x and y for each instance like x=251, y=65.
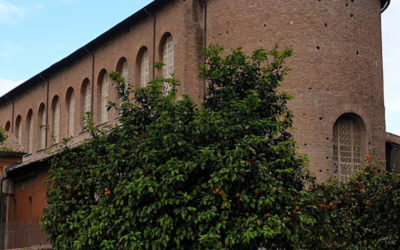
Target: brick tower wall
x=336, y=67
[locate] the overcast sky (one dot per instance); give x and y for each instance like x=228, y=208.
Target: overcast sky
x=36, y=34
x=391, y=65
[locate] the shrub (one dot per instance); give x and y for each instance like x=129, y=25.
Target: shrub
x=362, y=213
x=3, y=135
x=175, y=176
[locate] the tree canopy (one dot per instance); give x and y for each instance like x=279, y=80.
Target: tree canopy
x=221, y=175
x=173, y=175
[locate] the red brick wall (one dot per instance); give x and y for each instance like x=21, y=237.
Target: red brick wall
x=336, y=67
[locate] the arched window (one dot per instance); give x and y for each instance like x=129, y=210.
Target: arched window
x=103, y=96
x=29, y=131
x=348, y=146
x=123, y=69
x=8, y=126
x=42, y=126
x=56, y=117
x=70, y=100
x=86, y=100
x=18, y=129
x=167, y=55
x=144, y=66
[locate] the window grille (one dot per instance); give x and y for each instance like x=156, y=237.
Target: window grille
x=56, y=121
x=42, y=127
x=168, y=60
x=71, y=114
x=347, y=147
x=30, y=133
x=124, y=70
x=18, y=130
x=145, y=69
x=85, y=102
x=88, y=97
x=125, y=73
x=104, y=98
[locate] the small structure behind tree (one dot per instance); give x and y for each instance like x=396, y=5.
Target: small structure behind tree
x=19, y=227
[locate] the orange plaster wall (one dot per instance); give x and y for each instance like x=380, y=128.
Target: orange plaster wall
x=21, y=208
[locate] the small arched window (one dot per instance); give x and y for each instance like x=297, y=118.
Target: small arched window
x=348, y=146
x=18, y=129
x=8, y=126
x=144, y=66
x=167, y=55
x=70, y=100
x=56, y=119
x=29, y=131
x=86, y=100
x=103, y=96
x=123, y=69
x=42, y=128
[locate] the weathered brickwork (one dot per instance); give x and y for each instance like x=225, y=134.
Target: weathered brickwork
x=336, y=67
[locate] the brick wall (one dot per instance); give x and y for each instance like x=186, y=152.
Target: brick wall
x=336, y=67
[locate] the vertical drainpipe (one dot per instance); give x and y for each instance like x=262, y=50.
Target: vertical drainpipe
x=154, y=39
x=93, y=62
x=47, y=109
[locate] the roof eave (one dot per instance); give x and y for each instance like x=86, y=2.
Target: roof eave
x=384, y=5
x=125, y=24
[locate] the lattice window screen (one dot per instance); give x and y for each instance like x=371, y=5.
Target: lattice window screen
x=168, y=59
x=42, y=129
x=71, y=115
x=56, y=121
x=88, y=99
x=347, y=148
x=125, y=73
x=145, y=69
x=30, y=136
x=18, y=129
x=104, y=98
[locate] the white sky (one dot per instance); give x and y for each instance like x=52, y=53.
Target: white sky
x=391, y=65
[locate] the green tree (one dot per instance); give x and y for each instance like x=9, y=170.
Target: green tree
x=3, y=149
x=173, y=175
x=3, y=135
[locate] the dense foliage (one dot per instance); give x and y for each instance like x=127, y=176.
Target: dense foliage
x=4, y=150
x=3, y=135
x=363, y=213
x=172, y=175
x=224, y=175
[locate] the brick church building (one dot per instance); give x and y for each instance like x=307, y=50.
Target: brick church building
x=336, y=81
